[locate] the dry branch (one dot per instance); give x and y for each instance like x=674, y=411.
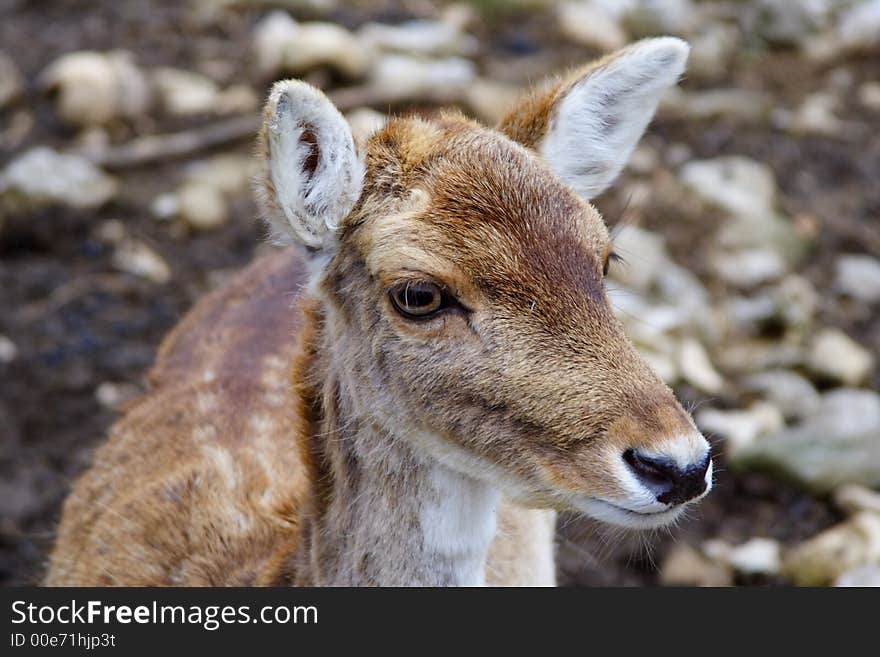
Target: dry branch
x=156, y=148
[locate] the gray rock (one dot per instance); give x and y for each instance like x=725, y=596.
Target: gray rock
x=8, y=350
x=184, y=93
x=42, y=176
x=237, y=99
x=793, y=394
x=644, y=160
x=741, y=428
x=229, y=174
x=862, y=576
x=737, y=184
x=491, y=100
x=796, y=301
x=647, y=323
x=662, y=364
x=686, y=566
x=853, y=498
x=786, y=21
x=712, y=49
x=283, y=45
x=792, y=303
x=869, y=95
x=836, y=356
x=202, y=206
x=748, y=268
x=116, y=395
x=590, y=24
x=420, y=37
x=837, y=551
x=412, y=76
x=757, y=556
x=739, y=104
x=653, y=17
x=763, y=231
x=675, y=283
x=94, y=88
x=165, y=206
x=677, y=153
x=681, y=288
x=859, y=26
x=272, y=36
x=137, y=258
x=858, y=276
x=838, y=444
x=747, y=313
x=210, y=8
x=747, y=356
x=696, y=368
x=849, y=411
x=11, y=82
x=816, y=115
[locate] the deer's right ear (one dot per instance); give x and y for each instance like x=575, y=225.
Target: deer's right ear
x=312, y=174
x=587, y=124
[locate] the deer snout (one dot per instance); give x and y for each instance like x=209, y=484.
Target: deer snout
x=669, y=481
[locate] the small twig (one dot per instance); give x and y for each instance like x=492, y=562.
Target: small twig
x=156, y=148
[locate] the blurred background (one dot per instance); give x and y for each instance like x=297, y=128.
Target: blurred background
x=748, y=220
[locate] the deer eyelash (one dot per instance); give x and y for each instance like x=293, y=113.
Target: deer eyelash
x=612, y=257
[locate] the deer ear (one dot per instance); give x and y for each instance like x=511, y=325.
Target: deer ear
x=587, y=125
x=311, y=173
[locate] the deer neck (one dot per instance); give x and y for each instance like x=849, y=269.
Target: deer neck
x=381, y=512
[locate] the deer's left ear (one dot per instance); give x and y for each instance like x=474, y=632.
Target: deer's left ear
x=311, y=173
x=587, y=125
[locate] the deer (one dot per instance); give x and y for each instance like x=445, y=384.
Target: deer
x=424, y=373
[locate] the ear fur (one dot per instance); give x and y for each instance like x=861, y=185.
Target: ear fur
x=312, y=174
x=587, y=124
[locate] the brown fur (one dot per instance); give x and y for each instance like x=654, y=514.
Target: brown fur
x=200, y=482
x=280, y=420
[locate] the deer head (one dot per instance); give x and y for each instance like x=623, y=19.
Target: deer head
x=460, y=274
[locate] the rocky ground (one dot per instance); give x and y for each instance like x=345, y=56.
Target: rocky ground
x=748, y=220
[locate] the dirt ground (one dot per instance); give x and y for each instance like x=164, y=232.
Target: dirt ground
x=78, y=322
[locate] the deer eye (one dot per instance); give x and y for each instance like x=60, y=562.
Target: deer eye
x=418, y=300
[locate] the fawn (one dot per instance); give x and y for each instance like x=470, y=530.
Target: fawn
x=409, y=394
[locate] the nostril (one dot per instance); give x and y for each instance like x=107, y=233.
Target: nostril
x=656, y=473
x=669, y=483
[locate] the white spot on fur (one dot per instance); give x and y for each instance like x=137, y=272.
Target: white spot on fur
x=206, y=402
x=263, y=426
x=273, y=371
x=221, y=462
x=275, y=399
x=204, y=433
x=457, y=515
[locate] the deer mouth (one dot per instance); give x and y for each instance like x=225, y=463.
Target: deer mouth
x=621, y=516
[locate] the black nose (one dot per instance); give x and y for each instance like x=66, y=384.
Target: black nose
x=670, y=483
